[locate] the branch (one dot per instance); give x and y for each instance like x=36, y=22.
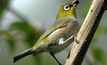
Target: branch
x=25, y=19
x=4, y=4
x=105, y=4
x=86, y=33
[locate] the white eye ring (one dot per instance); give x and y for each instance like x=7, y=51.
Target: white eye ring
x=66, y=7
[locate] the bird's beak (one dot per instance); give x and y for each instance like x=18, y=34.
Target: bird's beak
x=75, y=3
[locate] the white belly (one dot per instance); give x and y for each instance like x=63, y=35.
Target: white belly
x=57, y=48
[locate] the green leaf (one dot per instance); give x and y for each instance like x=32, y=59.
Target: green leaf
x=37, y=58
x=32, y=34
x=99, y=31
x=11, y=44
x=1, y=11
x=31, y=39
x=98, y=55
x=9, y=38
x=2, y=6
x=97, y=34
x=105, y=29
x=23, y=26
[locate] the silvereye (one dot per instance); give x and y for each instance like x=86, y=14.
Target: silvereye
x=59, y=36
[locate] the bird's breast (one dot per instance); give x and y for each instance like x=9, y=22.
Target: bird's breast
x=65, y=33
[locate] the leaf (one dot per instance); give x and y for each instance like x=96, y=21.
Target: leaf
x=97, y=35
x=37, y=58
x=11, y=44
x=22, y=26
x=32, y=34
x=98, y=55
x=99, y=31
x=1, y=11
x=9, y=38
x=31, y=39
x=2, y=6
x=105, y=29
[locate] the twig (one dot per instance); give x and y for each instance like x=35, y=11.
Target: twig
x=105, y=4
x=26, y=20
x=86, y=33
x=3, y=4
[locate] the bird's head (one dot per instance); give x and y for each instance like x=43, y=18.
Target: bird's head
x=67, y=10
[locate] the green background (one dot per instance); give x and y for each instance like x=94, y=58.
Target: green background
x=24, y=22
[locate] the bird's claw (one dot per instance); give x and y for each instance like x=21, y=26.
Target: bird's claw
x=75, y=39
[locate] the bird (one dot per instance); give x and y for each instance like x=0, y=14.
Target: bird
x=59, y=36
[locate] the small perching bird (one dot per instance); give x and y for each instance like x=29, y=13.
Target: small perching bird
x=59, y=36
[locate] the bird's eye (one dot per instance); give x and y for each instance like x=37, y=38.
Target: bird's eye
x=66, y=7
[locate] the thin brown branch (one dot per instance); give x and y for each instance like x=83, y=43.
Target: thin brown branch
x=3, y=4
x=23, y=18
x=86, y=33
x=105, y=4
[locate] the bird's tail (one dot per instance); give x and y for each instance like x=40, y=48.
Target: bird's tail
x=20, y=56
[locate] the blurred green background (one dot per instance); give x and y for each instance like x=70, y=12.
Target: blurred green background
x=23, y=21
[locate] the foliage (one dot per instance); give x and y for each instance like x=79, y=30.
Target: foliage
x=98, y=54
x=20, y=27
x=10, y=39
x=2, y=7
x=32, y=35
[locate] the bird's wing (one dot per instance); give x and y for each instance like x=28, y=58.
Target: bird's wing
x=59, y=24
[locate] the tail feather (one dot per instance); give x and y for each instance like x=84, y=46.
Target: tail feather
x=20, y=56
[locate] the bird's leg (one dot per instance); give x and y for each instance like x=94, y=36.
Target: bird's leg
x=55, y=58
x=34, y=54
x=62, y=41
x=75, y=38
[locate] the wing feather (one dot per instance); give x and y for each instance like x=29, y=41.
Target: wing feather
x=57, y=25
